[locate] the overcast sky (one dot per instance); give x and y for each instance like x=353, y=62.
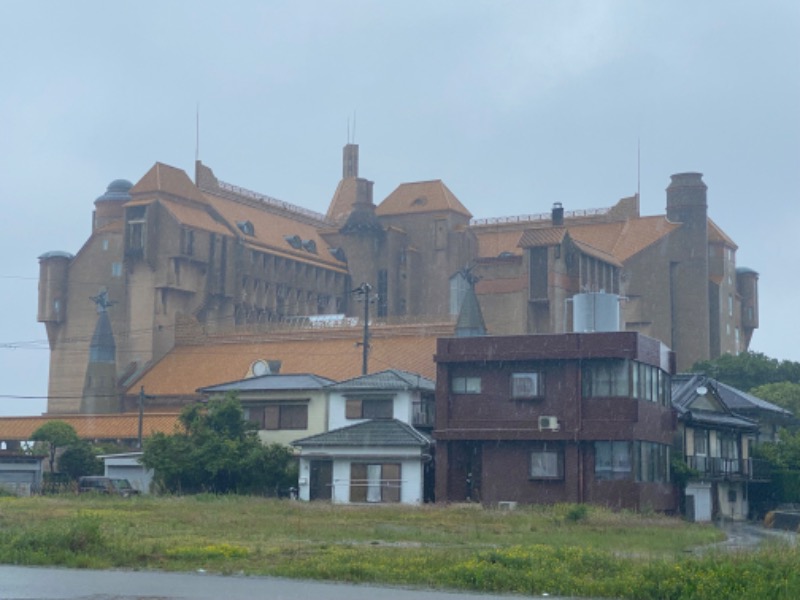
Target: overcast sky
x=513, y=104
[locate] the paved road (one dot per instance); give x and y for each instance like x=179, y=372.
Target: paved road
x=748, y=536
x=33, y=583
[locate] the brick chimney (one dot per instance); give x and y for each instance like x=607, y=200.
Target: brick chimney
x=558, y=215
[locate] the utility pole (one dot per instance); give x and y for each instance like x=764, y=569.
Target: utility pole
x=142, y=398
x=363, y=290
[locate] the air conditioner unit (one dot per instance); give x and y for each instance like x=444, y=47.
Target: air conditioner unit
x=548, y=424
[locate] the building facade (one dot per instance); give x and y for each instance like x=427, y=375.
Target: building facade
x=555, y=418
x=168, y=250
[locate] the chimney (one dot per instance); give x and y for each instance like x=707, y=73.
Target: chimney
x=686, y=198
x=558, y=215
x=350, y=161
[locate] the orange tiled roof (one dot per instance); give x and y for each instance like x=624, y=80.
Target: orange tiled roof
x=550, y=236
x=269, y=229
x=343, y=198
x=92, y=427
x=604, y=256
x=334, y=355
x=715, y=234
x=194, y=216
x=623, y=239
x=169, y=180
x=614, y=242
x=421, y=197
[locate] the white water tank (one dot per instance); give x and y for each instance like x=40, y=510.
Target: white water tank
x=595, y=311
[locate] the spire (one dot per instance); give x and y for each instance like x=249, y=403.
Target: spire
x=100, y=382
x=470, y=321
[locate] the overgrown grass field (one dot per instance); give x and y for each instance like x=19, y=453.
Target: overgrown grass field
x=562, y=550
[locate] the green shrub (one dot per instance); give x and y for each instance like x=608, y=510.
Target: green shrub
x=577, y=512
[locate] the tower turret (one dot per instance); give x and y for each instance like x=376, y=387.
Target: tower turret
x=108, y=207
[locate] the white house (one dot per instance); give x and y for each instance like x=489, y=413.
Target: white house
x=371, y=453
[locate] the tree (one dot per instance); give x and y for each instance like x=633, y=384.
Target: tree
x=80, y=459
x=748, y=370
x=218, y=452
x=56, y=434
x=784, y=394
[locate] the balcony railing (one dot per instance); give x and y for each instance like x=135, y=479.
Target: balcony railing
x=423, y=414
x=716, y=467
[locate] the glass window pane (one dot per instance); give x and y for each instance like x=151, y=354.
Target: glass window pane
x=602, y=460
x=526, y=385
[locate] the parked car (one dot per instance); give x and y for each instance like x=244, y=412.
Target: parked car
x=106, y=485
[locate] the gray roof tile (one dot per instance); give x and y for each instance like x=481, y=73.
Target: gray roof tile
x=391, y=379
x=276, y=382
x=378, y=432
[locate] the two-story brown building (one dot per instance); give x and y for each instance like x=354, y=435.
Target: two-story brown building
x=555, y=418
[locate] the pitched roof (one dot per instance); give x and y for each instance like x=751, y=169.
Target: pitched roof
x=92, y=427
x=623, y=239
x=331, y=354
x=271, y=229
x=688, y=388
x=715, y=419
x=550, y=236
x=195, y=216
x=378, y=432
x=615, y=242
x=272, y=382
x=343, y=199
x=604, y=256
x=737, y=400
x=421, y=197
x=391, y=379
x=163, y=178
x=715, y=234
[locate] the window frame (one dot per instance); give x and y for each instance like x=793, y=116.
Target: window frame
x=548, y=453
x=538, y=385
x=467, y=384
x=389, y=486
x=278, y=416
x=614, y=469
x=355, y=408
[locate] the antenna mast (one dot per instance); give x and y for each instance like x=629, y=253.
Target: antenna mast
x=638, y=170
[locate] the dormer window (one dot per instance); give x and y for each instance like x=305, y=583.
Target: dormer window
x=310, y=246
x=338, y=254
x=136, y=221
x=246, y=227
x=294, y=241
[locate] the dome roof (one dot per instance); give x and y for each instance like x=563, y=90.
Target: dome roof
x=118, y=190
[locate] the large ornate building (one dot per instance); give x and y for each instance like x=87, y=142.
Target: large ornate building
x=169, y=255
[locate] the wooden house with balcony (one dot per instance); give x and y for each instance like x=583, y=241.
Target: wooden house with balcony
x=716, y=444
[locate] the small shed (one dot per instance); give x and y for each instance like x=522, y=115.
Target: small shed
x=128, y=466
x=20, y=474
